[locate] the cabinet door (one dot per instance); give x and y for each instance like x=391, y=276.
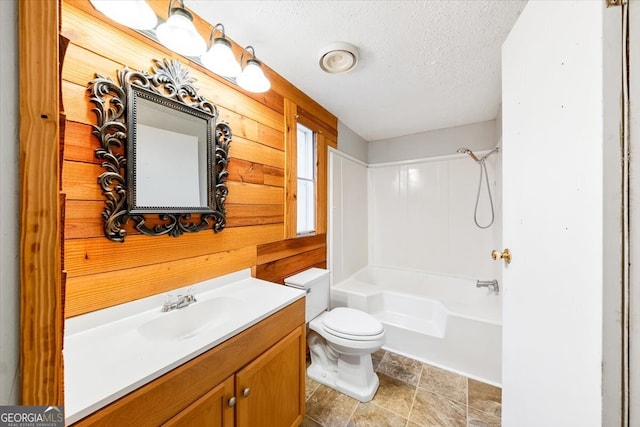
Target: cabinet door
x=211, y=410
x=270, y=389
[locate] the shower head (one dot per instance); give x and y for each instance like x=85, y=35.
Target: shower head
x=469, y=152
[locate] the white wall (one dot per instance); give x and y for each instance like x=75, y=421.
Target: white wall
x=351, y=143
x=9, y=211
x=421, y=216
x=348, y=221
x=441, y=142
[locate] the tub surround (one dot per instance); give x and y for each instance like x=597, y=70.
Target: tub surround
x=111, y=352
x=421, y=216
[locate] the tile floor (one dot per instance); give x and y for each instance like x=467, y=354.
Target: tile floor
x=411, y=394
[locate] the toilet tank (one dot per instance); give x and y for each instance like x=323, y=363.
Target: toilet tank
x=316, y=283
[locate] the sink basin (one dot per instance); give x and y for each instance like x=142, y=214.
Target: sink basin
x=187, y=322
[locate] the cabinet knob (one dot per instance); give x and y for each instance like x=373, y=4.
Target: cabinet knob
x=232, y=402
x=246, y=392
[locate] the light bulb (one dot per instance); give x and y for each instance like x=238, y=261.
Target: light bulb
x=135, y=14
x=220, y=59
x=252, y=77
x=180, y=35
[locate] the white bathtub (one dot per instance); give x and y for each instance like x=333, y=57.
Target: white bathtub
x=441, y=320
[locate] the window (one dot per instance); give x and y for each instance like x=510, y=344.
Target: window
x=306, y=191
x=306, y=140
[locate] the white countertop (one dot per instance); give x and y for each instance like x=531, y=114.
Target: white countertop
x=107, y=354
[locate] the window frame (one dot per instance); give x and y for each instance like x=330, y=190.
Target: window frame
x=324, y=136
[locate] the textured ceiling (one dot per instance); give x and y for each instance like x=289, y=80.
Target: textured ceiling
x=424, y=65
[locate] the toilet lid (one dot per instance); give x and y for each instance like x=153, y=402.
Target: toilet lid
x=348, y=321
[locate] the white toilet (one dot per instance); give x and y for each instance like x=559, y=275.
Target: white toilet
x=340, y=341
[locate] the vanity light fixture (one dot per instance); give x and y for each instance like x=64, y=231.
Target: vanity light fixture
x=178, y=32
x=136, y=14
x=219, y=58
x=252, y=77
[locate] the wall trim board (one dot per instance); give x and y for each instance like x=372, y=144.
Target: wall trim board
x=478, y=153
x=41, y=319
x=282, y=259
x=291, y=168
x=269, y=252
x=347, y=156
x=9, y=205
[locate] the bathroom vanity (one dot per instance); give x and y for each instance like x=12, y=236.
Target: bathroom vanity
x=251, y=372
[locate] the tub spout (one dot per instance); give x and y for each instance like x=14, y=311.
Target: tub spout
x=489, y=284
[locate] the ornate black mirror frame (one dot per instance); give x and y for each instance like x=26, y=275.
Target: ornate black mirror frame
x=169, y=85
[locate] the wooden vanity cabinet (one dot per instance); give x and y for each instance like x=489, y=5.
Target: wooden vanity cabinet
x=254, y=379
x=212, y=409
x=267, y=389
x=267, y=393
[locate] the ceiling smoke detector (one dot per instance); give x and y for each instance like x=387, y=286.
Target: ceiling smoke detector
x=338, y=57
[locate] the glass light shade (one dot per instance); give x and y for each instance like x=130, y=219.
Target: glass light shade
x=180, y=35
x=220, y=59
x=131, y=13
x=252, y=78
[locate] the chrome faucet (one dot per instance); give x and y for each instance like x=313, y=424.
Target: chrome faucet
x=492, y=285
x=179, y=302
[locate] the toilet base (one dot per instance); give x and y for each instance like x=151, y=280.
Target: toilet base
x=353, y=376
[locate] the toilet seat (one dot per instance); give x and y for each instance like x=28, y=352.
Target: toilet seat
x=346, y=343
x=352, y=324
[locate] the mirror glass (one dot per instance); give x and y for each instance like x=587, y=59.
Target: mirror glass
x=169, y=151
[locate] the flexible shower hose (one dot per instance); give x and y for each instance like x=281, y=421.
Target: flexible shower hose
x=483, y=170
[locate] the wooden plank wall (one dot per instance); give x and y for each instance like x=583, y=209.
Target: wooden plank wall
x=101, y=273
